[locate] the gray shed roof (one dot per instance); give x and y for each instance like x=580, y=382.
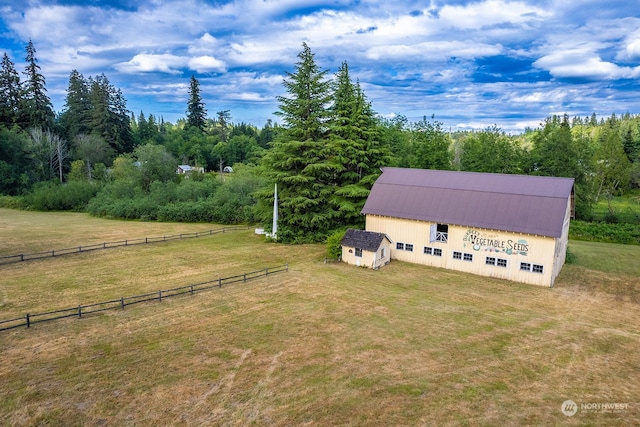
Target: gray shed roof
x=367, y=240
x=518, y=203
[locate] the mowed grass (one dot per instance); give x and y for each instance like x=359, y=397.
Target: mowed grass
x=322, y=344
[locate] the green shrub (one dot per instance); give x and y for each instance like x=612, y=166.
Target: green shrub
x=624, y=233
x=334, y=248
x=52, y=196
x=12, y=202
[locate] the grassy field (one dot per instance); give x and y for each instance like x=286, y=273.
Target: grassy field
x=322, y=344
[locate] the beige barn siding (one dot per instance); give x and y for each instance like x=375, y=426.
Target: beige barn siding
x=541, y=250
x=561, y=244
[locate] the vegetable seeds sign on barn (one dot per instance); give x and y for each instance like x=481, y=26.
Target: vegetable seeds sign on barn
x=493, y=243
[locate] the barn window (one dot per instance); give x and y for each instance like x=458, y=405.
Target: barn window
x=468, y=257
x=437, y=252
x=358, y=252
x=408, y=247
x=457, y=255
x=501, y=262
x=428, y=250
x=439, y=233
x=537, y=268
x=525, y=266
x=490, y=261
x=400, y=246
x=382, y=253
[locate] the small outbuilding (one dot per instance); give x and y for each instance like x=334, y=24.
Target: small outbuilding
x=187, y=169
x=366, y=248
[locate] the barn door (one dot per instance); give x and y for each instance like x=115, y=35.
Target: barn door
x=433, y=233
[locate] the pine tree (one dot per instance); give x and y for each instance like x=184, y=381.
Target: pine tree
x=196, y=112
x=299, y=158
x=10, y=96
x=109, y=115
x=357, y=153
x=76, y=114
x=37, y=109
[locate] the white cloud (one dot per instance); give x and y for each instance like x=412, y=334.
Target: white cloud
x=206, y=64
x=491, y=12
x=630, y=49
x=436, y=50
x=145, y=63
x=583, y=62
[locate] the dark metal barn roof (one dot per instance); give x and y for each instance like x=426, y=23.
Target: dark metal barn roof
x=518, y=203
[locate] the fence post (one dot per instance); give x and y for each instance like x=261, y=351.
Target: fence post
x=79, y=312
x=159, y=295
x=244, y=277
x=146, y=240
x=191, y=289
x=220, y=282
x=53, y=253
x=21, y=257
x=28, y=318
x=287, y=265
x=126, y=242
x=122, y=302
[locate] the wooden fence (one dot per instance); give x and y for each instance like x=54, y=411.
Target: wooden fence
x=107, y=245
x=120, y=303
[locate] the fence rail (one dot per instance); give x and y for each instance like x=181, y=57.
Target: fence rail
x=86, y=309
x=8, y=259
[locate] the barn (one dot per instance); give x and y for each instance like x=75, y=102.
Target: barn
x=366, y=248
x=513, y=227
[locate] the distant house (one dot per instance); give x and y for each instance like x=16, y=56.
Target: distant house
x=186, y=169
x=513, y=227
x=366, y=248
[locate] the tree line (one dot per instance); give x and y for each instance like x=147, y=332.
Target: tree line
x=325, y=154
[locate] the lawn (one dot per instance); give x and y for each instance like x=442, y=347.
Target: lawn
x=321, y=344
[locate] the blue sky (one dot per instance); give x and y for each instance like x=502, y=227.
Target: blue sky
x=472, y=64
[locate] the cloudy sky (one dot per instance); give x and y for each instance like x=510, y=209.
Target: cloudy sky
x=472, y=64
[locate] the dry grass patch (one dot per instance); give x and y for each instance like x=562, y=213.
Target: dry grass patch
x=324, y=344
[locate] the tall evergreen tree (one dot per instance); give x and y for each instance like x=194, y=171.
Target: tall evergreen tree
x=109, y=115
x=299, y=160
x=196, y=112
x=37, y=108
x=76, y=114
x=357, y=153
x=10, y=95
